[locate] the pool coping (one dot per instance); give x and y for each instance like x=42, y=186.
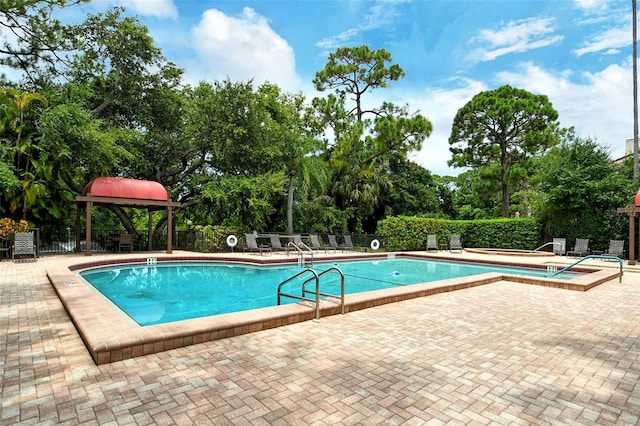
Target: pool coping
x=110, y=335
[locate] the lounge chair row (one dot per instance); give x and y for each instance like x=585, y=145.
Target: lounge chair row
x=581, y=248
x=454, y=243
x=296, y=244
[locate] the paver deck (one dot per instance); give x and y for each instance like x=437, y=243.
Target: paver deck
x=504, y=353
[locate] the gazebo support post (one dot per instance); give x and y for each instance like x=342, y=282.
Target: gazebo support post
x=77, y=236
x=632, y=212
x=87, y=244
x=169, y=227
x=150, y=231
x=632, y=238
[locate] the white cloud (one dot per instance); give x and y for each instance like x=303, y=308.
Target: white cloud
x=589, y=5
x=155, y=8
x=380, y=15
x=607, y=40
x=440, y=105
x=243, y=48
x=601, y=107
x=514, y=37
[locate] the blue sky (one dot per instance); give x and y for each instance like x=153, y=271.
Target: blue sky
x=577, y=52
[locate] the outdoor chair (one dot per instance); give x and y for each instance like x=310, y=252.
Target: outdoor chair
x=297, y=240
x=276, y=245
x=252, y=244
x=454, y=243
x=23, y=247
x=125, y=242
x=432, y=242
x=298, y=243
x=315, y=244
x=333, y=242
x=559, y=246
x=581, y=248
x=348, y=244
x=5, y=249
x=616, y=248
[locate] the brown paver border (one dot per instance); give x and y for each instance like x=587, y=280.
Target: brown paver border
x=110, y=335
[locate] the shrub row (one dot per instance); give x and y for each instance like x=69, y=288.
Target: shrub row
x=410, y=233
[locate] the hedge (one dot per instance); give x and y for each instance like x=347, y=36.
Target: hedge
x=410, y=233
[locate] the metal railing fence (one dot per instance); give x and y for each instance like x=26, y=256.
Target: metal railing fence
x=203, y=241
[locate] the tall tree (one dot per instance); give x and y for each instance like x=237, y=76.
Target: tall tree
x=500, y=130
x=247, y=137
x=292, y=129
x=352, y=71
x=104, y=100
x=34, y=41
x=22, y=157
x=364, y=136
x=580, y=189
x=416, y=192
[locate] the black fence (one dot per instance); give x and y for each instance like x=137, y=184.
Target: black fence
x=211, y=242
x=102, y=241
x=106, y=241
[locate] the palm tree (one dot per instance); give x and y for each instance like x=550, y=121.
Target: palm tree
x=20, y=160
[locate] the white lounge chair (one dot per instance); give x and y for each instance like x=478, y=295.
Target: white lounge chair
x=616, y=248
x=559, y=246
x=581, y=248
x=432, y=242
x=23, y=247
x=454, y=243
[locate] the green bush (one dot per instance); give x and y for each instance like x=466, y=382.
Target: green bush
x=410, y=233
x=214, y=238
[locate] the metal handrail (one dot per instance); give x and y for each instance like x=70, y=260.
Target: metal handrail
x=317, y=299
x=299, y=250
x=334, y=268
x=546, y=244
x=591, y=256
x=301, y=258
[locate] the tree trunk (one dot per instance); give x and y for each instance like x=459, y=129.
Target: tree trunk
x=290, y=204
x=505, y=199
x=504, y=166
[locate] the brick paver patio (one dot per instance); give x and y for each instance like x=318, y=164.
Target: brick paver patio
x=504, y=353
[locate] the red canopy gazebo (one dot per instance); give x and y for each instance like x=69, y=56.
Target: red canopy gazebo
x=124, y=192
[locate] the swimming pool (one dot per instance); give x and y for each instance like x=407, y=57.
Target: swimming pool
x=168, y=292
x=110, y=335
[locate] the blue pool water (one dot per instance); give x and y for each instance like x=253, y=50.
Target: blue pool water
x=166, y=292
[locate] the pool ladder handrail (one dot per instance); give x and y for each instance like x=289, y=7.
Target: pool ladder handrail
x=591, y=256
x=300, y=252
x=332, y=269
x=549, y=243
x=293, y=296
x=317, y=293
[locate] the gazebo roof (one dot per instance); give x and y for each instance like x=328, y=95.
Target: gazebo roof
x=124, y=191
x=126, y=188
